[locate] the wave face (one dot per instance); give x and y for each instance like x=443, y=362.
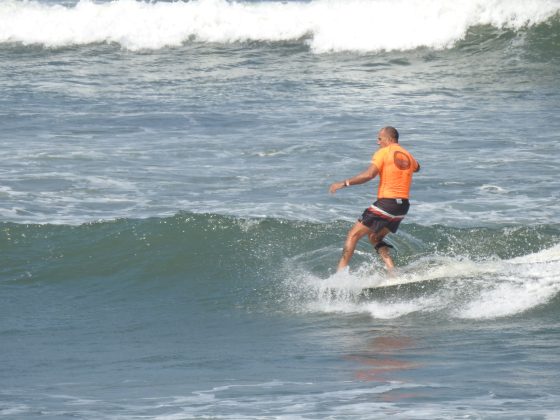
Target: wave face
x=287, y=266
x=324, y=25
x=224, y=317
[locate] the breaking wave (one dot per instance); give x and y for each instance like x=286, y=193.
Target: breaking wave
x=281, y=265
x=323, y=25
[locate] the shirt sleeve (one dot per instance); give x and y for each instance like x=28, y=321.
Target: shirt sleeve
x=416, y=165
x=378, y=157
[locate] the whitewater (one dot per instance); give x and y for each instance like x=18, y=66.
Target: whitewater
x=324, y=25
x=167, y=240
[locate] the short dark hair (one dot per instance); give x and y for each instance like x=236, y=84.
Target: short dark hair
x=392, y=132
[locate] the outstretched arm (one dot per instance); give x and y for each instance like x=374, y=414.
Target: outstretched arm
x=370, y=173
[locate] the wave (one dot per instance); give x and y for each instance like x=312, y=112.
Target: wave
x=324, y=25
x=453, y=287
x=281, y=265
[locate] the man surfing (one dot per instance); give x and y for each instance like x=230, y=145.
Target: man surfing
x=395, y=166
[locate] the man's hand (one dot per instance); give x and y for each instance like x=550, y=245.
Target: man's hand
x=370, y=173
x=336, y=186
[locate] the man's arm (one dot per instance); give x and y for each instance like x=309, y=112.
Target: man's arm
x=370, y=173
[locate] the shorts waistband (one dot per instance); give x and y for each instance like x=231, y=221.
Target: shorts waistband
x=384, y=214
x=404, y=200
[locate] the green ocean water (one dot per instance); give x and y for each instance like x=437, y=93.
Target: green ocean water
x=196, y=315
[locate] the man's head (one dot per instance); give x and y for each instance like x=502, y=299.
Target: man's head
x=387, y=135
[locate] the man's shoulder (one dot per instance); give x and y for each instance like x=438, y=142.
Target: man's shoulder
x=402, y=149
x=399, y=146
x=381, y=152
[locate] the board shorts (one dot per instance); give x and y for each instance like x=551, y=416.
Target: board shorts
x=385, y=213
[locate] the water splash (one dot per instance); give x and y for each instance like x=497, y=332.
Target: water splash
x=453, y=287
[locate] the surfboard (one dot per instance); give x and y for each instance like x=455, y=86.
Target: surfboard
x=399, y=287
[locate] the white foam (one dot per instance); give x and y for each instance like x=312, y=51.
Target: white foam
x=522, y=284
x=389, y=310
x=326, y=25
x=106, y=182
x=6, y=191
x=222, y=402
x=509, y=298
x=493, y=189
x=14, y=410
x=549, y=255
x=466, y=289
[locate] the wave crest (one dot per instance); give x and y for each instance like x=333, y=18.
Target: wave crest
x=325, y=25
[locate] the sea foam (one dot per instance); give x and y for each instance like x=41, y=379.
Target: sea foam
x=325, y=25
x=465, y=289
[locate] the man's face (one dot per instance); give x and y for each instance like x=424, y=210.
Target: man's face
x=382, y=139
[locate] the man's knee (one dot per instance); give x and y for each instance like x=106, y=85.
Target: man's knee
x=382, y=246
x=374, y=238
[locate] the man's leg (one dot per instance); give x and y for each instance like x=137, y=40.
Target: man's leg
x=358, y=231
x=383, y=251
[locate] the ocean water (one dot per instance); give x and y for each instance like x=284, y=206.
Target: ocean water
x=168, y=244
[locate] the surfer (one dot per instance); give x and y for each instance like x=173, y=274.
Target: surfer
x=395, y=166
